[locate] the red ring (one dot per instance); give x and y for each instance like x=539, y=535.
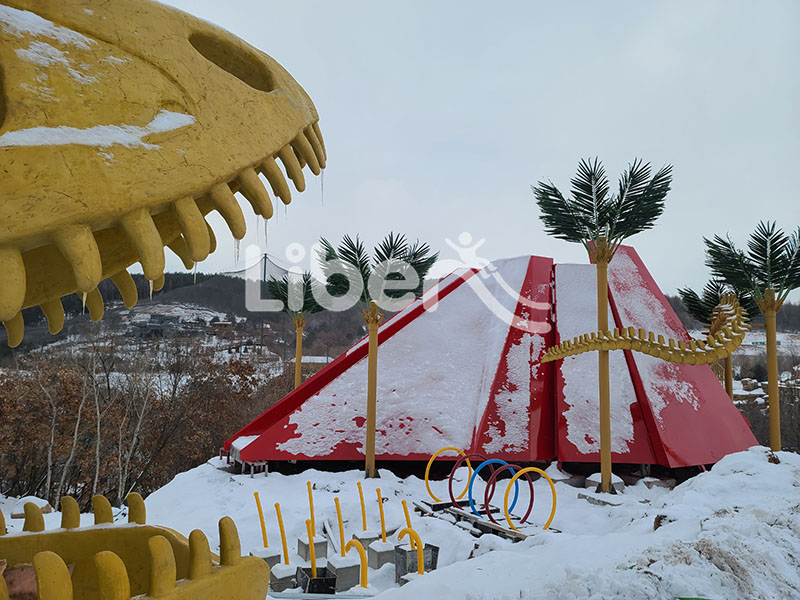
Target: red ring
x=457, y=464
x=487, y=497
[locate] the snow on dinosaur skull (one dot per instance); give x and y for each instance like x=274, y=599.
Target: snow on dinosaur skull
x=122, y=124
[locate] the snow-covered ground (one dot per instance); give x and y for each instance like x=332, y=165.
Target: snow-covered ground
x=730, y=533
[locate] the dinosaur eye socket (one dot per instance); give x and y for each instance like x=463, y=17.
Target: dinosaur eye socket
x=237, y=61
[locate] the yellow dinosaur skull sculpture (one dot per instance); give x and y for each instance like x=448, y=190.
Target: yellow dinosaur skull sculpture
x=122, y=124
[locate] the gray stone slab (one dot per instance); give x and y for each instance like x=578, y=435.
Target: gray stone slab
x=320, y=549
x=405, y=560
x=347, y=575
x=379, y=554
x=270, y=556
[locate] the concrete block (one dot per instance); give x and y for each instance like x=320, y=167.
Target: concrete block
x=271, y=556
x=380, y=553
x=367, y=537
x=405, y=560
x=346, y=569
x=592, y=481
x=323, y=583
x=320, y=549
x=282, y=577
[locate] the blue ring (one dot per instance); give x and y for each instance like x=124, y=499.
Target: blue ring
x=475, y=474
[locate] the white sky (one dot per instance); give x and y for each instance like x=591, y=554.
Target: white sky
x=439, y=116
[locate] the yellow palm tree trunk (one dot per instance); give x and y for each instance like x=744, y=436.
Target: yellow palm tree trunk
x=299, y=323
x=770, y=307
x=602, y=256
x=373, y=319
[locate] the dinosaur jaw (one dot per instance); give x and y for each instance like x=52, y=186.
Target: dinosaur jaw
x=123, y=123
x=80, y=259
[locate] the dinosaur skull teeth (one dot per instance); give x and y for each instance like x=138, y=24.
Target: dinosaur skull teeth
x=192, y=241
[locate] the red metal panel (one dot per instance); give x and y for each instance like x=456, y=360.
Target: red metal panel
x=532, y=334
x=583, y=302
x=691, y=419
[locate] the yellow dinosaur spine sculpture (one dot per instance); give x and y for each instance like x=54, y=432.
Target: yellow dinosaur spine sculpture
x=730, y=329
x=122, y=124
x=117, y=563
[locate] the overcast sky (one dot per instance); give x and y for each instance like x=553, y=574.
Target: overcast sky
x=439, y=116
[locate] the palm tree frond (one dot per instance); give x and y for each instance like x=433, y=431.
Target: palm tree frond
x=557, y=214
x=731, y=265
x=640, y=202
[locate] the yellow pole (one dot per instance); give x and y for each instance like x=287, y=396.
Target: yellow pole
x=601, y=259
x=769, y=306
x=408, y=517
x=283, y=534
x=261, y=518
x=341, y=524
x=373, y=319
x=380, y=509
x=310, y=531
x=362, y=556
x=299, y=323
x=729, y=375
x=363, y=507
x=311, y=505
x=416, y=544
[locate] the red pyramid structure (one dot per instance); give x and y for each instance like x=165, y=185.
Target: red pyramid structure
x=461, y=367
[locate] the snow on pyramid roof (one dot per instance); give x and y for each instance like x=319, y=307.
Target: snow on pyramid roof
x=460, y=367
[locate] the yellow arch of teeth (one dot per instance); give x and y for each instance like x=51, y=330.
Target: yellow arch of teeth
x=726, y=333
x=208, y=113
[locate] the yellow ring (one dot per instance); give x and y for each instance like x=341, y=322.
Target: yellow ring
x=428, y=471
x=508, y=491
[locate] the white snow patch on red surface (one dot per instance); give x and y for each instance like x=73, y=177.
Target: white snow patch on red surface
x=439, y=368
x=576, y=308
x=639, y=308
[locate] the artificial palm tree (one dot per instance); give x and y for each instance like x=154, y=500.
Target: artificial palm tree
x=297, y=295
x=703, y=307
x=601, y=220
x=394, y=259
x=768, y=271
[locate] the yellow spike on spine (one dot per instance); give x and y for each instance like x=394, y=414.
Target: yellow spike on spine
x=52, y=577
x=305, y=150
x=146, y=241
x=15, y=330
x=162, y=566
x=70, y=513
x=34, y=520
x=112, y=577
x=102, y=510
x=293, y=168
x=230, y=549
x=225, y=202
x=199, y=555
x=54, y=313
x=137, y=513
x=276, y=180
x=13, y=283
x=194, y=229
x=79, y=247
x=126, y=287
x=255, y=192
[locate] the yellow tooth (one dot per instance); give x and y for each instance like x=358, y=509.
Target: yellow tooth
x=179, y=247
x=79, y=247
x=318, y=131
x=127, y=288
x=12, y=283
x=94, y=302
x=158, y=284
x=54, y=313
x=293, y=168
x=255, y=192
x=194, y=228
x=212, y=239
x=146, y=241
x=15, y=330
x=305, y=150
x=276, y=180
x=225, y=202
x=311, y=136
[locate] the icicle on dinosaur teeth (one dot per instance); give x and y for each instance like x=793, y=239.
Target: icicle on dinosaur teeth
x=83, y=302
x=236, y=248
x=150, y=282
x=194, y=274
x=276, y=180
x=225, y=202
